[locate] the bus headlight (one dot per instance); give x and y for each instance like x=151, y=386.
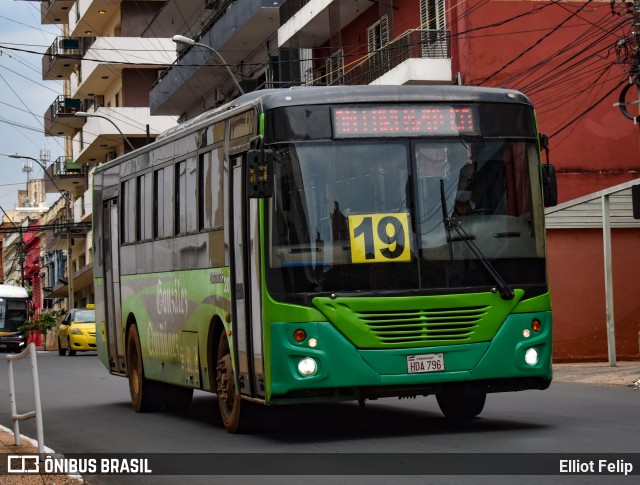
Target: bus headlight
x=307, y=366
x=531, y=356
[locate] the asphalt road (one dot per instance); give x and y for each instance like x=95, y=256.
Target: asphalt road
x=86, y=410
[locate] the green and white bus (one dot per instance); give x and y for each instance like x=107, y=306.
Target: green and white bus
x=328, y=243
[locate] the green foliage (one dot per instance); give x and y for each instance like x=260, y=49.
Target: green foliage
x=42, y=322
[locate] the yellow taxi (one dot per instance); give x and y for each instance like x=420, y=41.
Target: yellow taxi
x=77, y=331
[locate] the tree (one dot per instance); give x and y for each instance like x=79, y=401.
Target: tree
x=42, y=322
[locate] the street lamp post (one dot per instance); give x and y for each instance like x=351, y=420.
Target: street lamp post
x=83, y=114
x=181, y=39
x=67, y=217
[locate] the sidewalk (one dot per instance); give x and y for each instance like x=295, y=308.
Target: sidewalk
x=599, y=373
x=625, y=374
x=28, y=446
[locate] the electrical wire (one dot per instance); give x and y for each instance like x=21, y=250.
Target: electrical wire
x=533, y=46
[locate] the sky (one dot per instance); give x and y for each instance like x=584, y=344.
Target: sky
x=24, y=96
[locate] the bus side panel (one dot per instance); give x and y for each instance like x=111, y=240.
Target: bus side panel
x=173, y=312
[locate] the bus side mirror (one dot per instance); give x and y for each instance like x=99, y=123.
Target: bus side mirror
x=549, y=185
x=259, y=173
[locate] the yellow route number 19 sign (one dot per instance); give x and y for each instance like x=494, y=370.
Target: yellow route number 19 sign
x=379, y=238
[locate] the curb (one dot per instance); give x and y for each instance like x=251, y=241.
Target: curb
x=34, y=443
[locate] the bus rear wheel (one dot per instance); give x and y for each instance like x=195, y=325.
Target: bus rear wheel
x=228, y=397
x=460, y=405
x=145, y=394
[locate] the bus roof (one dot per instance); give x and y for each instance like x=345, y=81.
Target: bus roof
x=309, y=95
x=274, y=98
x=10, y=291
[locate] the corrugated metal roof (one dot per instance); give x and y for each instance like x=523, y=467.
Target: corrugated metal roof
x=586, y=211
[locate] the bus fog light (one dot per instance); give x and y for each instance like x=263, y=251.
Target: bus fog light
x=307, y=366
x=531, y=356
x=526, y=333
x=313, y=342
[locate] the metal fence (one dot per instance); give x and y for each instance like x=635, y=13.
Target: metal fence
x=418, y=44
x=30, y=351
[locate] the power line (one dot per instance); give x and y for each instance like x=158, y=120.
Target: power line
x=535, y=44
x=565, y=126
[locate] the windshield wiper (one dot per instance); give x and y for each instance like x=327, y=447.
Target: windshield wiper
x=506, y=293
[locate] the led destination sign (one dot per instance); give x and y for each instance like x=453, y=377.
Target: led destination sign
x=404, y=121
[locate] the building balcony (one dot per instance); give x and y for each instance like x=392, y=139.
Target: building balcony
x=308, y=20
x=235, y=30
x=59, y=290
x=100, y=139
x=69, y=176
x=59, y=119
x=83, y=278
x=93, y=17
x=104, y=60
x=61, y=57
x=83, y=207
x=416, y=57
x=55, y=11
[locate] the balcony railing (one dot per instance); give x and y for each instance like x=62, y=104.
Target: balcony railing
x=417, y=44
x=65, y=106
x=66, y=166
x=64, y=46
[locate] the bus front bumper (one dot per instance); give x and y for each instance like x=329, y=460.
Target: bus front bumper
x=509, y=362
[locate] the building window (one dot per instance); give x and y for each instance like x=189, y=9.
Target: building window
x=335, y=67
x=378, y=34
x=377, y=38
x=433, y=25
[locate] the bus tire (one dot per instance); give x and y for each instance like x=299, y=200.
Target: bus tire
x=460, y=405
x=228, y=396
x=145, y=394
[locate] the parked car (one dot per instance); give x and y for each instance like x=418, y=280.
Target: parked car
x=77, y=331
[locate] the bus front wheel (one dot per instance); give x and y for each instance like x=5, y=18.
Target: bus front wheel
x=145, y=394
x=461, y=406
x=228, y=397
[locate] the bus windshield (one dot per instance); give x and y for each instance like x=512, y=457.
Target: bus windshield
x=404, y=215
x=13, y=314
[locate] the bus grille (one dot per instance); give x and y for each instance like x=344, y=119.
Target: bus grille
x=422, y=326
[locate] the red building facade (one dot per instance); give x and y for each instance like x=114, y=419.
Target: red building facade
x=32, y=269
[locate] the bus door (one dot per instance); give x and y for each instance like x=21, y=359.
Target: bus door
x=245, y=273
x=113, y=320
